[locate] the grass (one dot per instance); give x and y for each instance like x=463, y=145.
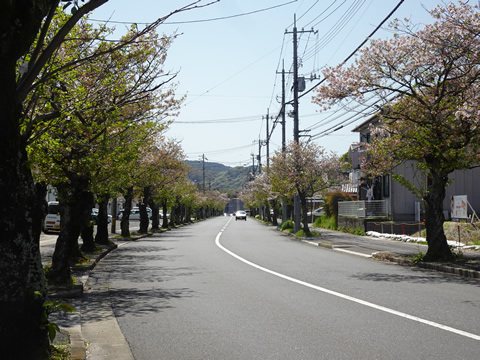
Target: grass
x=325, y=222
x=60, y=352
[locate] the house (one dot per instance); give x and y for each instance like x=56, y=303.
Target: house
x=401, y=204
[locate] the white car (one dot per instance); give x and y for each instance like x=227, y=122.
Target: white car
x=52, y=220
x=240, y=214
x=316, y=213
x=135, y=213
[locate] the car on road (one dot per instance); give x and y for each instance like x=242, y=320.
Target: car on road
x=240, y=214
x=160, y=214
x=94, y=216
x=316, y=213
x=52, y=220
x=135, y=213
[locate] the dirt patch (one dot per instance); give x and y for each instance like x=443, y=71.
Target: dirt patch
x=468, y=234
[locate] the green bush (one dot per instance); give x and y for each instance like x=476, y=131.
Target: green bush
x=331, y=204
x=357, y=231
x=287, y=225
x=300, y=234
x=326, y=222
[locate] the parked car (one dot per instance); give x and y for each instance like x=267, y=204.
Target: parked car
x=135, y=213
x=52, y=220
x=94, y=216
x=316, y=213
x=160, y=214
x=240, y=214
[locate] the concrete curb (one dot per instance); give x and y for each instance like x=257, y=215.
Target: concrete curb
x=78, y=347
x=469, y=273
x=394, y=258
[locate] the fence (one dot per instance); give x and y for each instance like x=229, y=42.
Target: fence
x=390, y=227
x=363, y=209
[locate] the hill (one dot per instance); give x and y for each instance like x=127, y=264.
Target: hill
x=218, y=176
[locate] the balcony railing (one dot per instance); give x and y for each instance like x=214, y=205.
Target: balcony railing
x=363, y=209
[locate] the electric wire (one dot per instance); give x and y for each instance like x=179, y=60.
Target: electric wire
x=200, y=20
x=358, y=47
x=336, y=29
x=221, y=121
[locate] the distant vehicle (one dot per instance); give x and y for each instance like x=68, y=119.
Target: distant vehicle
x=135, y=213
x=52, y=220
x=160, y=214
x=94, y=216
x=240, y=214
x=316, y=213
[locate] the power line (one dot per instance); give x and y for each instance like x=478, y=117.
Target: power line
x=358, y=47
x=221, y=121
x=200, y=20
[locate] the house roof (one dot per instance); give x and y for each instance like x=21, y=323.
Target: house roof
x=364, y=125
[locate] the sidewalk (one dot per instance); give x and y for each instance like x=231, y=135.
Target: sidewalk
x=382, y=247
x=93, y=331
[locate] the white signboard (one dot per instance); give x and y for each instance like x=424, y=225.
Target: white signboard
x=459, y=206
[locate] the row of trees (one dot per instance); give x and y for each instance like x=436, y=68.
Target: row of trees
x=304, y=169
x=82, y=113
x=427, y=83
x=426, y=86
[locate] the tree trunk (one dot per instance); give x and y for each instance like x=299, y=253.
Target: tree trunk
x=275, y=215
x=155, y=215
x=165, y=217
x=87, y=238
x=144, y=221
x=101, y=237
x=438, y=249
x=173, y=212
x=75, y=211
x=22, y=281
x=125, y=222
x=303, y=205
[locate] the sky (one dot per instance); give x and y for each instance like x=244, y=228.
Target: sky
x=229, y=57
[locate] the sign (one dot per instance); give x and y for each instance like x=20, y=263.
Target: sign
x=459, y=205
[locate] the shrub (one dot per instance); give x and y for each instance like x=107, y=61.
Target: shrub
x=300, y=234
x=331, y=205
x=325, y=222
x=287, y=225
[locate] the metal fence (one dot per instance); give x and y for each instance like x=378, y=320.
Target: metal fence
x=363, y=209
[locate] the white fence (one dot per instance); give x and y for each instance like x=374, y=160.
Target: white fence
x=363, y=209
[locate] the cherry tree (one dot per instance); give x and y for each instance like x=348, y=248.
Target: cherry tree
x=259, y=193
x=304, y=169
x=428, y=84
x=23, y=288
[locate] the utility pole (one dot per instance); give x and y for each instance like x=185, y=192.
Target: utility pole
x=296, y=131
x=253, y=165
x=203, y=168
x=259, y=158
x=267, y=142
x=295, y=82
x=284, y=139
x=283, y=110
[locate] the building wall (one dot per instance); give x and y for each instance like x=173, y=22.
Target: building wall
x=402, y=200
x=465, y=182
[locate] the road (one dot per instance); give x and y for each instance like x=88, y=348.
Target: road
x=226, y=289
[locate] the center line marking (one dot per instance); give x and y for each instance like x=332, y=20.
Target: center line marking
x=343, y=296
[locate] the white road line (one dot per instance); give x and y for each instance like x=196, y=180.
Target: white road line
x=343, y=296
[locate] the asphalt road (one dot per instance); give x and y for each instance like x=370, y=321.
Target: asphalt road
x=226, y=289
